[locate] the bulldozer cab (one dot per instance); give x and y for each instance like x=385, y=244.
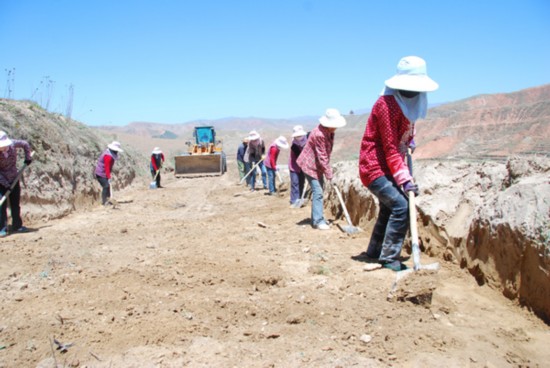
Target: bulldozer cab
x=205, y=140
x=204, y=157
x=204, y=135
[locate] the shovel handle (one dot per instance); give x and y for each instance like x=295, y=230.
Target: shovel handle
x=412, y=218
x=251, y=170
x=342, y=204
x=304, y=191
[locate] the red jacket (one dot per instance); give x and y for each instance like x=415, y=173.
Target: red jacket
x=272, y=156
x=156, y=161
x=385, y=142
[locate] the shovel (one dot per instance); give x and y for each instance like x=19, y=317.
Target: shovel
x=111, y=199
x=281, y=182
x=302, y=201
x=153, y=184
x=251, y=170
x=413, y=228
x=350, y=229
x=5, y=196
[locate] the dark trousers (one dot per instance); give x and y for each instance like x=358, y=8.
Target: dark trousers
x=157, y=179
x=393, y=220
x=14, y=199
x=106, y=191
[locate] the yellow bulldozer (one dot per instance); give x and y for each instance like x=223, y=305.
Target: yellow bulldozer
x=204, y=156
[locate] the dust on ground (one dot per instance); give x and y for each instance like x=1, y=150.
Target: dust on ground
x=204, y=273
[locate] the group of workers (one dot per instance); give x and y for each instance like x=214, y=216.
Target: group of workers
x=383, y=167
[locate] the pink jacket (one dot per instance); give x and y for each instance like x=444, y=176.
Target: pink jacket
x=315, y=157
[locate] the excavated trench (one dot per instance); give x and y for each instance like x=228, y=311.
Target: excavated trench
x=489, y=218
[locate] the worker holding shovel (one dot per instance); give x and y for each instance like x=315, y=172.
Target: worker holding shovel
x=157, y=160
x=297, y=177
x=256, y=156
x=104, y=168
x=9, y=182
x=315, y=162
x=270, y=162
x=383, y=166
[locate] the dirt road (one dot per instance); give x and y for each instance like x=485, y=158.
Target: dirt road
x=204, y=273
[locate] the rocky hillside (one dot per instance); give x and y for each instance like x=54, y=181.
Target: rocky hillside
x=488, y=126
x=60, y=179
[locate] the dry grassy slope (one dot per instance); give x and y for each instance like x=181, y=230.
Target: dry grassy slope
x=60, y=178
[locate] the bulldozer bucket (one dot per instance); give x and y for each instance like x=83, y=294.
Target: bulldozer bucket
x=196, y=165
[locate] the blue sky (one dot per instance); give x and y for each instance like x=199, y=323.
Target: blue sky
x=170, y=61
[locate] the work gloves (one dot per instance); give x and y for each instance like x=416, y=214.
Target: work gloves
x=411, y=187
x=412, y=145
x=28, y=162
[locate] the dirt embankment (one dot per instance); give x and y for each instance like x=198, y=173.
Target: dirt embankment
x=61, y=176
x=488, y=217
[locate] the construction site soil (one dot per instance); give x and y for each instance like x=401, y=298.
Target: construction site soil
x=205, y=273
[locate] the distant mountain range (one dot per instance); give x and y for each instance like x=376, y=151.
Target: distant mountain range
x=484, y=126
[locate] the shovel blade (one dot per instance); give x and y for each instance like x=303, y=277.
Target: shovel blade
x=348, y=229
x=153, y=185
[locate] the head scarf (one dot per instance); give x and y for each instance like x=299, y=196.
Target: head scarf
x=300, y=140
x=413, y=108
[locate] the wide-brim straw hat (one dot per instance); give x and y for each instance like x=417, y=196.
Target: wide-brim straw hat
x=281, y=142
x=115, y=146
x=156, y=150
x=332, y=119
x=4, y=140
x=412, y=76
x=253, y=135
x=298, y=131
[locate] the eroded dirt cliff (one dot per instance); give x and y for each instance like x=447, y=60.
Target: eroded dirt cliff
x=491, y=218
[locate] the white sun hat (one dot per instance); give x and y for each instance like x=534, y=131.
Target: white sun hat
x=156, y=150
x=115, y=146
x=4, y=140
x=281, y=142
x=298, y=131
x=412, y=76
x=332, y=119
x=253, y=135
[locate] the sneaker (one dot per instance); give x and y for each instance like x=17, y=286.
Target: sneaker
x=3, y=233
x=394, y=266
x=364, y=256
x=22, y=229
x=322, y=226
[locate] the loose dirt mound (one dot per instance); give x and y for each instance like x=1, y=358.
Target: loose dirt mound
x=186, y=276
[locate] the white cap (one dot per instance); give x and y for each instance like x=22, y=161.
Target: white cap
x=115, y=146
